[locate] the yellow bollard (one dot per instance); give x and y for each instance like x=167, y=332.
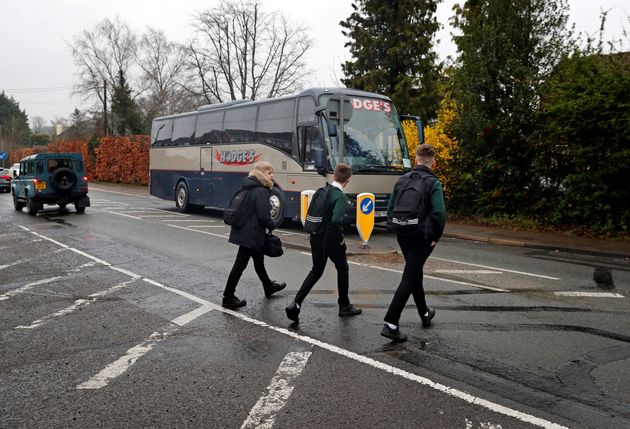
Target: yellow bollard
x=365, y=216
x=305, y=201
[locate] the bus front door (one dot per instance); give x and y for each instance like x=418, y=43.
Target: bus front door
x=205, y=176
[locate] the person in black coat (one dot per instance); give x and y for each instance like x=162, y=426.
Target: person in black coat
x=251, y=236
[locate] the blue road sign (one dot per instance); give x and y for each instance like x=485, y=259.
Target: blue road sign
x=4, y=156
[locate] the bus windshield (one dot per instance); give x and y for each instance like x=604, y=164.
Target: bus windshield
x=374, y=141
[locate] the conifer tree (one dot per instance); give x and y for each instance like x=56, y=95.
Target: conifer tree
x=391, y=43
x=127, y=118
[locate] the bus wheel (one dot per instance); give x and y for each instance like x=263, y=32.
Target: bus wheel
x=276, y=201
x=181, y=197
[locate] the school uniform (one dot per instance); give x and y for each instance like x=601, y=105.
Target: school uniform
x=328, y=245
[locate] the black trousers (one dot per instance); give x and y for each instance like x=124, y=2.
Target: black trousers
x=321, y=251
x=416, y=252
x=242, y=259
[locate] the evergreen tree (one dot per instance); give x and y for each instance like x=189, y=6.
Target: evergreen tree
x=14, y=129
x=126, y=115
x=506, y=49
x=391, y=43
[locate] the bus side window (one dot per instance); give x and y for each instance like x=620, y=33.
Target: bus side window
x=161, y=133
x=183, y=131
x=39, y=169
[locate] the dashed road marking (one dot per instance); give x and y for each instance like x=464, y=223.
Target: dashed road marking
x=263, y=414
x=590, y=294
x=78, y=304
x=28, y=286
x=467, y=272
x=505, y=270
x=122, y=364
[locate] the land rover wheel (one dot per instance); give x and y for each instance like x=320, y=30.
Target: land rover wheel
x=18, y=205
x=31, y=206
x=78, y=208
x=181, y=197
x=63, y=179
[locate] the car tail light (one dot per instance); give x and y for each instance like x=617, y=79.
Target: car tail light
x=84, y=188
x=85, y=178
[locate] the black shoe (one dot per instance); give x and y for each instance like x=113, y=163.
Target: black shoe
x=393, y=334
x=233, y=302
x=293, y=312
x=426, y=320
x=273, y=288
x=349, y=310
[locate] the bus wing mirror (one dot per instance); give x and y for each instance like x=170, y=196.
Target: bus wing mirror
x=418, y=123
x=319, y=110
x=334, y=107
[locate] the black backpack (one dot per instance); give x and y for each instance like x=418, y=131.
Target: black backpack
x=317, y=216
x=411, y=213
x=238, y=212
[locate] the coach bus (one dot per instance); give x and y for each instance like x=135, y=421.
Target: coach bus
x=199, y=158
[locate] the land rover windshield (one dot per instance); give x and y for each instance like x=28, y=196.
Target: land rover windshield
x=373, y=138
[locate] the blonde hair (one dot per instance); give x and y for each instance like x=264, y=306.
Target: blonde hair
x=263, y=166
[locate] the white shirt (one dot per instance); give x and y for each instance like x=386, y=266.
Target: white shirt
x=337, y=185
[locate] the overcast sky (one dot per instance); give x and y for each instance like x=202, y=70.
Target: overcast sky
x=37, y=69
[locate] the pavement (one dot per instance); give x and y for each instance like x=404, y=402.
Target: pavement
x=496, y=236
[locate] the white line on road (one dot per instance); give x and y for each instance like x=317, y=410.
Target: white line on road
x=495, y=268
x=590, y=294
x=189, y=220
x=122, y=364
x=263, y=415
x=19, y=261
x=475, y=400
x=196, y=230
x=122, y=214
x=467, y=272
x=392, y=270
x=80, y=303
x=27, y=287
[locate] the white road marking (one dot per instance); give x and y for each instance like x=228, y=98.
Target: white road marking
x=590, y=294
x=189, y=220
x=467, y=272
x=27, y=287
x=19, y=261
x=196, y=231
x=475, y=400
x=495, y=268
x=207, y=226
x=80, y=303
x=263, y=414
x=392, y=270
x=122, y=364
x=122, y=214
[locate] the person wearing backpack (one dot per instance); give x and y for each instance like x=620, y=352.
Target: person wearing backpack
x=416, y=212
x=327, y=241
x=250, y=237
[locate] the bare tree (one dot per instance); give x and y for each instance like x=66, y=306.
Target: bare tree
x=38, y=125
x=99, y=55
x=162, y=64
x=243, y=52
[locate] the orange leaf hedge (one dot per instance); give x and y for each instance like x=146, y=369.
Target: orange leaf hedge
x=118, y=159
x=123, y=159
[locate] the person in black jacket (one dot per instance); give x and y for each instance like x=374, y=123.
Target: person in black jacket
x=416, y=245
x=251, y=236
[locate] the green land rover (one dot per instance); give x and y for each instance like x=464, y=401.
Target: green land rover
x=53, y=179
